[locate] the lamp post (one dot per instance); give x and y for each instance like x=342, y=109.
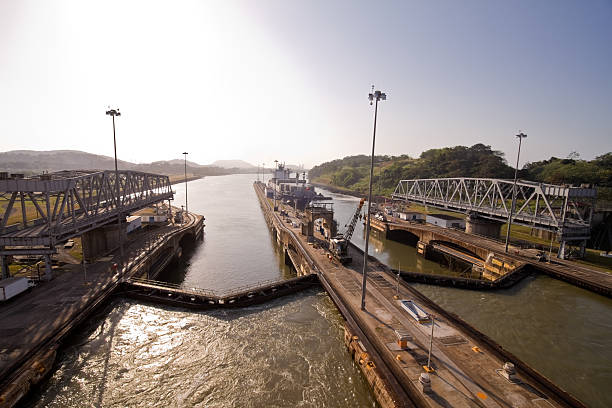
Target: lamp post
x=520, y=136
x=113, y=113
x=186, y=206
x=373, y=96
x=263, y=173
x=275, y=182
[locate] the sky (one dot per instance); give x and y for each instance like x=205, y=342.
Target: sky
x=288, y=80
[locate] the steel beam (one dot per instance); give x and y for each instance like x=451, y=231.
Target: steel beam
x=561, y=209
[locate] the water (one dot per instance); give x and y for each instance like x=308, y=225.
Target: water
x=237, y=249
x=290, y=352
x=562, y=331
x=285, y=353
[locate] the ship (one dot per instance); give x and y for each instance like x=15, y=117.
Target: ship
x=292, y=190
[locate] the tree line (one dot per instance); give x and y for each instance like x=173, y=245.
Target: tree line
x=479, y=160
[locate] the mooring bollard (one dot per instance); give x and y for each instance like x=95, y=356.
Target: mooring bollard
x=425, y=382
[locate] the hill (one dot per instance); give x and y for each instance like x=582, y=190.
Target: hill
x=32, y=162
x=478, y=160
x=233, y=164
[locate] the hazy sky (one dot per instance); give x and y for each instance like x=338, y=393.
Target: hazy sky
x=262, y=80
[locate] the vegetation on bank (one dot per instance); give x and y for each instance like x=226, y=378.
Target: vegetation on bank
x=352, y=174
x=479, y=160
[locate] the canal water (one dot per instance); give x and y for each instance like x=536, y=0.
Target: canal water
x=290, y=352
x=562, y=331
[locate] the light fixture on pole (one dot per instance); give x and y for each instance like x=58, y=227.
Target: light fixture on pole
x=374, y=97
x=186, y=206
x=263, y=173
x=275, y=182
x=520, y=136
x=113, y=113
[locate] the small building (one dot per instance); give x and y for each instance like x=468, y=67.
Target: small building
x=445, y=221
x=152, y=219
x=410, y=216
x=133, y=223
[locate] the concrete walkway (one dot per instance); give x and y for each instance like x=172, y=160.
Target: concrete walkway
x=39, y=315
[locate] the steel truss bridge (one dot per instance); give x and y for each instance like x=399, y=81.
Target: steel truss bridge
x=564, y=210
x=40, y=211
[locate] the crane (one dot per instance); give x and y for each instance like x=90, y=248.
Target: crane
x=339, y=244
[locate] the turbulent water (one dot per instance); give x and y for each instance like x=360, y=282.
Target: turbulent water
x=290, y=352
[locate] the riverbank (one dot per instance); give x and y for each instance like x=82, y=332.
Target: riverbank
x=339, y=190
x=180, y=178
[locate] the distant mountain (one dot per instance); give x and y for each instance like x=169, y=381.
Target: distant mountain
x=32, y=162
x=233, y=164
x=54, y=160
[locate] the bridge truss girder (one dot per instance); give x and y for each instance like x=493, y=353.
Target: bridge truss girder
x=566, y=211
x=53, y=207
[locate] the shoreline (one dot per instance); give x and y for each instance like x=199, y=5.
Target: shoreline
x=339, y=190
x=179, y=181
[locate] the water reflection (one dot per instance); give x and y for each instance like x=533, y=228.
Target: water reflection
x=288, y=353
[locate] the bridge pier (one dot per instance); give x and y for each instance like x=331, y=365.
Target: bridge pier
x=101, y=240
x=480, y=226
x=564, y=251
x=48, y=269
x=4, y=267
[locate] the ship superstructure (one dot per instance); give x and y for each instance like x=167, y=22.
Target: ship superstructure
x=291, y=188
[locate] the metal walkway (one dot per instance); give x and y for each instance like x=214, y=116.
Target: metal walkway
x=197, y=298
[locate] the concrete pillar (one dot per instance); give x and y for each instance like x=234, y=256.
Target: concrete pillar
x=480, y=226
x=562, y=250
x=425, y=382
x=48, y=271
x=100, y=241
x=4, y=267
x=94, y=244
x=544, y=234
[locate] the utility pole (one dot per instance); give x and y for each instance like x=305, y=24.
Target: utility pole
x=399, y=268
x=433, y=323
x=520, y=136
x=186, y=206
x=275, y=182
x=113, y=113
x=377, y=96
